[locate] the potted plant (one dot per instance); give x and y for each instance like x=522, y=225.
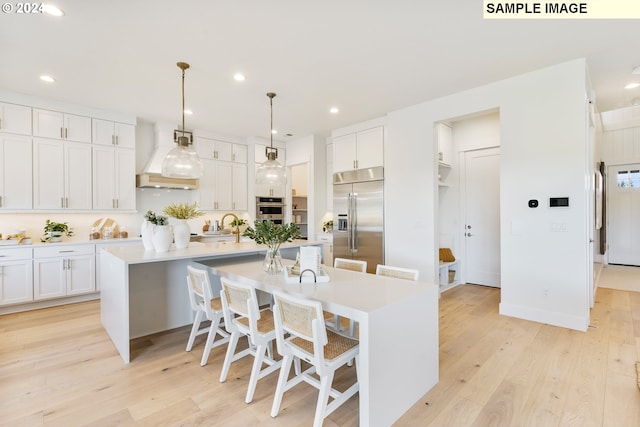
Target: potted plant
x=53, y=231
x=272, y=235
x=182, y=212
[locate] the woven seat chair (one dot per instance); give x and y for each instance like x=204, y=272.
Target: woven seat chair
x=345, y=264
x=243, y=318
x=400, y=273
x=205, y=306
x=302, y=335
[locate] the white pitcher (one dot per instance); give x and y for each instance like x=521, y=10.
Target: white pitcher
x=162, y=237
x=181, y=233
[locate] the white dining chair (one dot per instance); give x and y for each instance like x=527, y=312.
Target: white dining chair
x=346, y=264
x=399, y=272
x=205, y=306
x=243, y=318
x=301, y=334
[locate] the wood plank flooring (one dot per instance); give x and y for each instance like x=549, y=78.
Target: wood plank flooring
x=59, y=368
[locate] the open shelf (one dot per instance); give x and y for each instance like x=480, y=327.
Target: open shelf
x=444, y=269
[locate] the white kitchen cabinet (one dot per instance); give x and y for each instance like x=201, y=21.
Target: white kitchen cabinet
x=359, y=150
x=240, y=191
x=61, y=175
x=16, y=276
x=214, y=149
x=114, y=175
x=106, y=132
x=57, y=125
x=15, y=118
x=60, y=271
x=16, y=172
x=329, y=181
x=445, y=144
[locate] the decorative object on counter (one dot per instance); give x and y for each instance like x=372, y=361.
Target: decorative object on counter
x=104, y=228
x=123, y=233
x=327, y=226
x=150, y=221
x=182, y=212
x=272, y=235
x=271, y=172
x=182, y=161
x=206, y=226
x=53, y=231
x=15, y=238
x=162, y=237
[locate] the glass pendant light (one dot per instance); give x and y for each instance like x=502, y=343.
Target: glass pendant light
x=271, y=172
x=182, y=161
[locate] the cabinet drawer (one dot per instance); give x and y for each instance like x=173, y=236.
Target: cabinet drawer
x=63, y=250
x=15, y=254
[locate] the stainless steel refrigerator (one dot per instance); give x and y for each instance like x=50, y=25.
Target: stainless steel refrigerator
x=358, y=206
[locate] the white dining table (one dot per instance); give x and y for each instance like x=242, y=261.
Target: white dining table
x=398, y=329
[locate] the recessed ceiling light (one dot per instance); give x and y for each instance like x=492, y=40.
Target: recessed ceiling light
x=188, y=112
x=47, y=79
x=52, y=10
x=334, y=110
x=239, y=77
x=632, y=85
x=274, y=131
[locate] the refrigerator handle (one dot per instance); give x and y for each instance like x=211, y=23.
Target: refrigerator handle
x=349, y=222
x=354, y=223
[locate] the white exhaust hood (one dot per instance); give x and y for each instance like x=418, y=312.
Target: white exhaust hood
x=151, y=176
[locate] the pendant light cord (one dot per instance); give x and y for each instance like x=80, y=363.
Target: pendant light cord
x=183, y=99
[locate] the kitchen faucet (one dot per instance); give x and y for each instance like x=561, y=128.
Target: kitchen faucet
x=237, y=232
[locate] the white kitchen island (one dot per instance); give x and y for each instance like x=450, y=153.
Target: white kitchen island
x=398, y=319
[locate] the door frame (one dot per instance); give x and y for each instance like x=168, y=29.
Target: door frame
x=463, y=208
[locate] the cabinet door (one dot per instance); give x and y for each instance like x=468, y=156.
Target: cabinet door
x=15, y=119
x=344, y=148
x=240, y=191
x=81, y=274
x=49, y=278
x=206, y=186
x=240, y=153
x=48, y=124
x=16, y=282
x=224, y=151
x=224, y=186
x=102, y=132
x=370, y=148
x=103, y=178
x=125, y=178
x=16, y=173
x=205, y=147
x=48, y=174
x=125, y=135
x=77, y=128
x=77, y=164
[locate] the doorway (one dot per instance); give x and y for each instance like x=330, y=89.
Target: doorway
x=623, y=214
x=481, y=201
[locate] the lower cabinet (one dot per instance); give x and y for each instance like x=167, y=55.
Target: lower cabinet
x=63, y=271
x=16, y=276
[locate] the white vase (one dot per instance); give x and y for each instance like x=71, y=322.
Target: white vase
x=181, y=233
x=147, y=235
x=162, y=237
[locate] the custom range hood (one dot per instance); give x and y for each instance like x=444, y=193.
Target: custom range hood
x=151, y=177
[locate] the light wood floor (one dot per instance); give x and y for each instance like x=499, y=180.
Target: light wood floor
x=59, y=368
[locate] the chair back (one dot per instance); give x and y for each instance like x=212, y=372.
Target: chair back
x=299, y=317
x=200, y=293
x=400, y=273
x=350, y=264
x=239, y=299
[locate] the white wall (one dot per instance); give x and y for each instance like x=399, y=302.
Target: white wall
x=543, y=154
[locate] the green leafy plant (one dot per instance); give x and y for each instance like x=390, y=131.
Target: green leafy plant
x=183, y=210
x=272, y=235
x=327, y=226
x=237, y=222
x=59, y=227
x=156, y=219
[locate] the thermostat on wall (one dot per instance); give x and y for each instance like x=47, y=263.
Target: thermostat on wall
x=558, y=202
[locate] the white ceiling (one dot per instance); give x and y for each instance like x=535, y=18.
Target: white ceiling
x=365, y=57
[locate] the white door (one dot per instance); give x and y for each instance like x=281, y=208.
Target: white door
x=482, y=216
x=623, y=215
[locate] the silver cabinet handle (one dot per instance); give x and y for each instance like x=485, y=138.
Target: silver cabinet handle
x=66, y=133
x=61, y=133
x=62, y=202
x=113, y=140
x=64, y=264
x=66, y=251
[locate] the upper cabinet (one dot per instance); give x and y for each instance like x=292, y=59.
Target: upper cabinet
x=114, y=177
x=214, y=149
x=445, y=144
x=57, y=125
x=359, y=150
x=15, y=119
x=106, y=132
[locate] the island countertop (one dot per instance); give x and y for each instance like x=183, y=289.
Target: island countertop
x=135, y=254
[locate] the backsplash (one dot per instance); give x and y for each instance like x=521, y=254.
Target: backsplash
x=146, y=199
